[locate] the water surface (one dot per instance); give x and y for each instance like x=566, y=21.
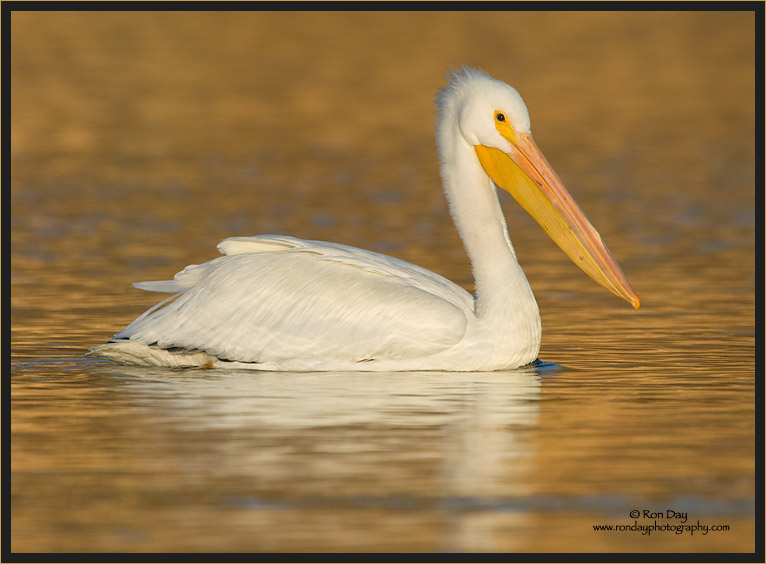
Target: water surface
x=140, y=140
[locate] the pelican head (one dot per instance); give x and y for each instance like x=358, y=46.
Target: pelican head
x=493, y=121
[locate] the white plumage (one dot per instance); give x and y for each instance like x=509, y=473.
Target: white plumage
x=279, y=303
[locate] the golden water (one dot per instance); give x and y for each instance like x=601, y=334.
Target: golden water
x=139, y=140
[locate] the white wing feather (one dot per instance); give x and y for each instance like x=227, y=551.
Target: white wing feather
x=272, y=298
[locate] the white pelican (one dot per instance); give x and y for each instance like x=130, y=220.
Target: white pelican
x=274, y=302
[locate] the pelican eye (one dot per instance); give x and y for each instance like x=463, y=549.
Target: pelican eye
x=500, y=116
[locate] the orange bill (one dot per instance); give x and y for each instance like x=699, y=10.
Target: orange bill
x=526, y=175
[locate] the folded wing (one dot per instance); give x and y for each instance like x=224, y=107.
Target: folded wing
x=272, y=298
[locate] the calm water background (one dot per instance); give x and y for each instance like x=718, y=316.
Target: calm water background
x=139, y=140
